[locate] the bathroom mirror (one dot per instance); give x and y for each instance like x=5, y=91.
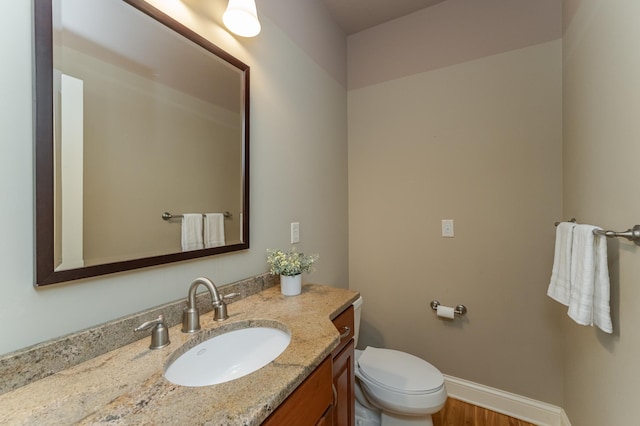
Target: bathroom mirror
x=136, y=116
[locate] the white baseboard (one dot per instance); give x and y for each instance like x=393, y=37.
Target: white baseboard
x=564, y=420
x=520, y=407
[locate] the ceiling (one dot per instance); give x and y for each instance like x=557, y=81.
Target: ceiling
x=357, y=15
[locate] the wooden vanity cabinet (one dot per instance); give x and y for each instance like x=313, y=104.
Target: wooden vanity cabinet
x=326, y=397
x=343, y=373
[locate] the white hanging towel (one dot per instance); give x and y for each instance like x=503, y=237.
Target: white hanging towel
x=602, y=288
x=560, y=284
x=213, y=230
x=192, y=232
x=589, y=299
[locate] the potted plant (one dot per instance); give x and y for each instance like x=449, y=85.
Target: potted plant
x=290, y=265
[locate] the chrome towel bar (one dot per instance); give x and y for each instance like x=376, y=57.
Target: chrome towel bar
x=572, y=220
x=168, y=216
x=632, y=234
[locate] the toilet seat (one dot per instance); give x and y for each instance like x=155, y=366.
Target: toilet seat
x=399, y=372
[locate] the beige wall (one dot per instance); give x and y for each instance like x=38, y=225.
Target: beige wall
x=601, y=176
x=298, y=132
x=480, y=142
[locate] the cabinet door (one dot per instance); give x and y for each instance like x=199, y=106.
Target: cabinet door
x=327, y=418
x=343, y=382
x=309, y=403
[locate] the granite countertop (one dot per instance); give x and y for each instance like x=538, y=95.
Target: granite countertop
x=127, y=386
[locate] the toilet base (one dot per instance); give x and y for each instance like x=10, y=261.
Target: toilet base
x=371, y=417
x=366, y=416
x=390, y=419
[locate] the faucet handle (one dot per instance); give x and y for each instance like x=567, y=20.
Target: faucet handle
x=230, y=296
x=159, y=333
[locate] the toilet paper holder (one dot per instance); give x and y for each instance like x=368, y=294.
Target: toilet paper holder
x=458, y=310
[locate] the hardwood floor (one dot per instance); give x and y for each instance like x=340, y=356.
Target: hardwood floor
x=458, y=413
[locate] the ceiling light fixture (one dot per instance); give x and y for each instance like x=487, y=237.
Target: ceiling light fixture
x=241, y=18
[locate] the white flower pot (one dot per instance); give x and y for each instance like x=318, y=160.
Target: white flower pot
x=291, y=285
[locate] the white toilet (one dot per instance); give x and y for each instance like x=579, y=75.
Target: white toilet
x=394, y=388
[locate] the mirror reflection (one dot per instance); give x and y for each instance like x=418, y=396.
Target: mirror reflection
x=148, y=118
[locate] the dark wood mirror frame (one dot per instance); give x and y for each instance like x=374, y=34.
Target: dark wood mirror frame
x=44, y=169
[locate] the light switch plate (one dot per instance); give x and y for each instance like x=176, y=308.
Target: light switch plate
x=447, y=228
x=295, y=232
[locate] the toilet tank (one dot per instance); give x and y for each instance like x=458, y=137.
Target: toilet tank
x=357, y=310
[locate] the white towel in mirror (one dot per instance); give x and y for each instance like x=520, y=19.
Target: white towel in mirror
x=192, y=232
x=560, y=283
x=213, y=230
x=589, y=301
x=602, y=289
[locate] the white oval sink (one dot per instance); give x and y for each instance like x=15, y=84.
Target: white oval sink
x=228, y=356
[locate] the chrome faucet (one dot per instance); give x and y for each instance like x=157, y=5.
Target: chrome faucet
x=191, y=316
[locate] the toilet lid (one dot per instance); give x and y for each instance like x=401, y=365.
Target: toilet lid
x=399, y=371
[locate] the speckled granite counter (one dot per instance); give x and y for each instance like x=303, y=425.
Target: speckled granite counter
x=127, y=386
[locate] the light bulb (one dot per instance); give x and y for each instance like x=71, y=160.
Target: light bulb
x=241, y=18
